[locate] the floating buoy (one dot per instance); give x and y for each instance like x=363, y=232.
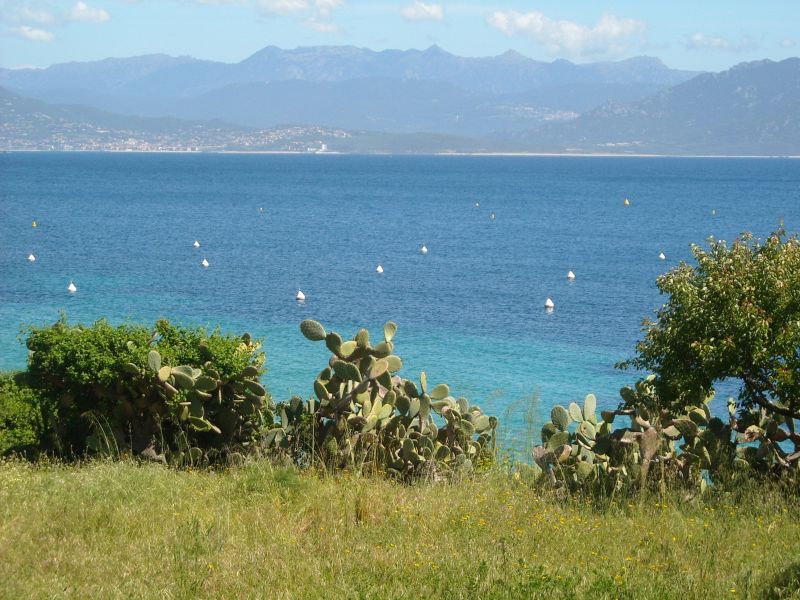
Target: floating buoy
x=492, y=216
x=570, y=275
x=71, y=288
x=627, y=202
x=548, y=304
x=31, y=257
x=424, y=249
x=34, y=225
x=477, y=205
x=661, y=256
x=713, y=211
x=196, y=244
x=379, y=269
x=261, y=210
x=300, y=296
x=204, y=263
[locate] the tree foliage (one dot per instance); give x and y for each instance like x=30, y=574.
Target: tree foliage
x=735, y=315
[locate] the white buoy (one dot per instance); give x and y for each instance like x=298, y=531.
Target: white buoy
x=713, y=211
x=661, y=256
x=570, y=275
x=196, y=244
x=301, y=297
x=204, y=263
x=31, y=257
x=379, y=269
x=424, y=249
x=261, y=210
x=477, y=205
x=627, y=202
x=71, y=288
x=548, y=304
x=492, y=216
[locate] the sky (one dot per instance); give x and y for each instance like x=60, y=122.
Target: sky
x=708, y=35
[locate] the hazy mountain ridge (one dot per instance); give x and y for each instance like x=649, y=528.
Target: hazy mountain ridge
x=181, y=76
x=492, y=94
x=753, y=108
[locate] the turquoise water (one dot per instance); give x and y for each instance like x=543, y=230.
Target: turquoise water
x=470, y=312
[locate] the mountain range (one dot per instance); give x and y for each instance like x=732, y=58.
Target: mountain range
x=444, y=102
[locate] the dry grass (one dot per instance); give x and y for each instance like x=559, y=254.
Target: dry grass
x=121, y=530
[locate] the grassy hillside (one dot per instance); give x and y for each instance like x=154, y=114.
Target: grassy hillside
x=118, y=529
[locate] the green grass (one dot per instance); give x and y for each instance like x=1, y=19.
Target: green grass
x=122, y=530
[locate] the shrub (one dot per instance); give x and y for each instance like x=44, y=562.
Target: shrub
x=21, y=423
x=172, y=394
x=365, y=417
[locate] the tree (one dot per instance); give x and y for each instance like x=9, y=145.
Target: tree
x=735, y=315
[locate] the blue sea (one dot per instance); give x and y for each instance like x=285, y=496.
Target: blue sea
x=470, y=311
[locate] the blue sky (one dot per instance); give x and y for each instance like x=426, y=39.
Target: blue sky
x=698, y=34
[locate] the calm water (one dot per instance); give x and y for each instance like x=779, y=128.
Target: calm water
x=470, y=312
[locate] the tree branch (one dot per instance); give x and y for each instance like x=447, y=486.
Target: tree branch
x=764, y=402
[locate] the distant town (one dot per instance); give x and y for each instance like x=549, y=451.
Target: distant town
x=42, y=131
x=79, y=137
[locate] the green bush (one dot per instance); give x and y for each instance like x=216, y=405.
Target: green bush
x=173, y=394
x=21, y=424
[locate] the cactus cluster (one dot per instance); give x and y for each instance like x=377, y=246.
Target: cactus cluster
x=578, y=451
x=212, y=414
x=366, y=416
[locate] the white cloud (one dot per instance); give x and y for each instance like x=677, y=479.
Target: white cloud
x=321, y=8
x=317, y=13
x=787, y=43
x=83, y=12
x=326, y=7
x=419, y=11
x=33, y=33
x=701, y=41
x=17, y=12
x=609, y=36
x=40, y=16
x=321, y=26
x=282, y=7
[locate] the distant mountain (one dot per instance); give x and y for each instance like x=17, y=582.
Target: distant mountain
x=493, y=90
x=165, y=76
x=753, y=108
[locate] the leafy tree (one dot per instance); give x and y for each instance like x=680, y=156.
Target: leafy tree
x=733, y=316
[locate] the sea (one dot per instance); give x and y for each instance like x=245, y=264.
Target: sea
x=502, y=232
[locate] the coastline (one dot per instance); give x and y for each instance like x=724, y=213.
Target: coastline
x=455, y=154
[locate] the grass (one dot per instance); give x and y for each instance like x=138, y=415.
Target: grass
x=123, y=530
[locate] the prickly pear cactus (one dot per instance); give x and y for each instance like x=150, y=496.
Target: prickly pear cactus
x=694, y=448
x=365, y=416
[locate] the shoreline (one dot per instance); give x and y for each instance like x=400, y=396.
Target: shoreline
x=445, y=153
